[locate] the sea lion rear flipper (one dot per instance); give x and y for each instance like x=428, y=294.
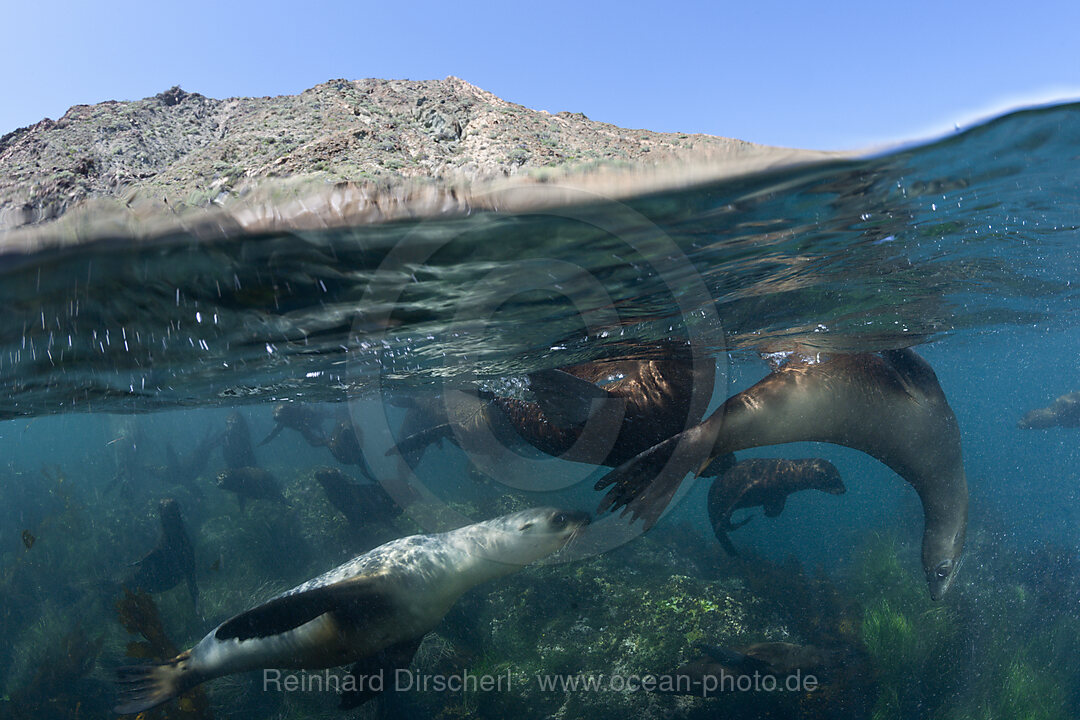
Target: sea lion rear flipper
x=383, y=663
x=645, y=484
x=349, y=600
x=566, y=400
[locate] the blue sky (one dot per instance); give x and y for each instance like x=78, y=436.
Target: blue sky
x=822, y=75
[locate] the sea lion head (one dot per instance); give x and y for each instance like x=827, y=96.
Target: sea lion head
x=1037, y=419
x=941, y=558
x=826, y=477
x=523, y=537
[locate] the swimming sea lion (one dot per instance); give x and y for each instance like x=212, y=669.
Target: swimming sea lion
x=360, y=504
x=171, y=560
x=888, y=405
x=344, y=445
x=303, y=419
x=184, y=469
x=373, y=610
x=765, y=482
x=253, y=483
x=1063, y=412
x=642, y=400
x=236, y=443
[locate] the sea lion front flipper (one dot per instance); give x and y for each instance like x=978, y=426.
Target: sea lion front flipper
x=382, y=664
x=567, y=400
x=349, y=600
x=774, y=505
x=725, y=541
x=273, y=434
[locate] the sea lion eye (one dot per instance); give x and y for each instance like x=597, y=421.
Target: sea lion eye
x=560, y=520
x=942, y=571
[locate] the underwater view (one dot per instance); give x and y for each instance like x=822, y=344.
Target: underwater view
x=800, y=443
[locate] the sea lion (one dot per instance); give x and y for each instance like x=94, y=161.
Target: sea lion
x=303, y=419
x=360, y=504
x=171, y=560
x=344, y=445
x=888, y=405
x=1063, y=412
x=236, y=443
x=765, y=482
x=252, y=483
x=372, y=610
x=184, y=469
x=642, y=401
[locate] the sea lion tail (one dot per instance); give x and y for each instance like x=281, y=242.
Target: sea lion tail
x=145, y=686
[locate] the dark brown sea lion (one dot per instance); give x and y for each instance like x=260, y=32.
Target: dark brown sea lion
x=171, y=560
x=1063, y=412
x=635, y=402
x=766, y=483
x=344, y=445
x=184, y=468
x=236, y=445
x=360, y=504
x=251, y=483
x=888, y=405
x=303, y=419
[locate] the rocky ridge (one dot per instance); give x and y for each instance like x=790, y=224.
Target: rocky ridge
x=183, y=150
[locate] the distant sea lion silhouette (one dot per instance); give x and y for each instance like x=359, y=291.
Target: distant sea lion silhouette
x=171, y=560
x=251, y=483
x=360, y=504
x=236, y=445
x=888, y=405
x=1063, y=412
x=303, y=419
x=373, y=610
x=344, y=445
x=766, y=483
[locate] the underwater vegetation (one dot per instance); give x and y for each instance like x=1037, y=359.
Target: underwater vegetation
x=995, y=651
x=1002, y=645
x=138, y=613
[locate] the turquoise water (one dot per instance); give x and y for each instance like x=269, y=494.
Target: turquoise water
x=965, y=247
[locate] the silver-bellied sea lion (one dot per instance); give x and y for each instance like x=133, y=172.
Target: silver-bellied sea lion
x=373, y=610
x=888, y=405
x=766, y=483
x=1063, y=412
